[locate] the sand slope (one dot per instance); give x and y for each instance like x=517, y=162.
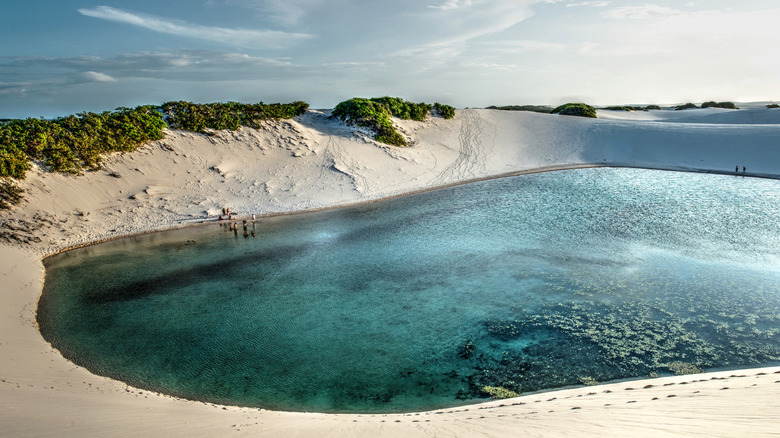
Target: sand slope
x=315, y=162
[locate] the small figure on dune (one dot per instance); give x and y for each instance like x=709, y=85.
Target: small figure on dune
x=737, y=169
x=744, y=169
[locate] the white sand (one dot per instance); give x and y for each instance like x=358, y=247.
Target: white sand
x=313, y=162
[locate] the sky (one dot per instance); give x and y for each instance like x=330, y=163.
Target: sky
x=62, y=57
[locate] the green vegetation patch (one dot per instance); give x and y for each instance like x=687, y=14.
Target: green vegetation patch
x=712, y=104
x=576, y=109
x=685, y=107
x=76, y=142
x=445, y=111
x=69, y=144
x=773, y=105
x=544, y=109
x=591, y=338
x=375, y=114
x=231, y=115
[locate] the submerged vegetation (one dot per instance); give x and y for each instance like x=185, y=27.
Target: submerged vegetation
x=591, y=335
x=576, y=109
x=375, y=114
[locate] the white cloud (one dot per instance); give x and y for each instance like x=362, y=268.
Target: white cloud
x=601, y=4
x=93, y=76
x=286, y=12
x=452, y=4
x=237, y=37
x=641, y=12
x=522, y=46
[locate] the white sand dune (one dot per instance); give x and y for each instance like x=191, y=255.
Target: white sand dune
x=315, y=162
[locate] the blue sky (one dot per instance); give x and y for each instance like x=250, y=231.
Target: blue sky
x=63, y=56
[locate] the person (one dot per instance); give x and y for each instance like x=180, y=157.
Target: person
x=253, y=217
x=744, y=169
x=223, y=211
x=737, y=169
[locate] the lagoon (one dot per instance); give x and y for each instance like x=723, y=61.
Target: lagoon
x=421, y=302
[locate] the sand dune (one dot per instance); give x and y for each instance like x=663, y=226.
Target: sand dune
x=315, y=162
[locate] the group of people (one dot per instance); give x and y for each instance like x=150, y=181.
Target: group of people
x=234, y=225
x=744, y=169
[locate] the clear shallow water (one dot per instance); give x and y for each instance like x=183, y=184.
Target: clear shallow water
x=525, y=283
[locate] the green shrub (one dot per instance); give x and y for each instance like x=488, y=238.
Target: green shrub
x=576, y=109
x=69, y=144
x=371, y=114
x=619, y=108
x=682, y=368
x=544, y=109
x=773, y=105
x=375, y=113
x=652, y=107
x=685, y=107
x=231, y=115
x=403, y=109
x=446, y=111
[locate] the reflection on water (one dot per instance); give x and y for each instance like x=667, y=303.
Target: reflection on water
x=524, y=283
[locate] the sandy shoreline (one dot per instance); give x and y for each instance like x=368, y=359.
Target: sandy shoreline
x=313, y=163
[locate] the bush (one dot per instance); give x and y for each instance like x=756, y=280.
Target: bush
x=773, y=105
x=375, y=113
x=533, y=108
x=711, y=104
x=69, y=144
x=231, y=115
x=370, y=114
x=652, y=107
x=403, y=109
x=576, y=109
x=446, y=111
x=685, y=107
x=682, y=368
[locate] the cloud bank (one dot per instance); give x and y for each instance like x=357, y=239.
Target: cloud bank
x=270, y=39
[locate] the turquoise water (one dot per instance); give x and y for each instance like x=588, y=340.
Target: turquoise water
x=525, y=283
